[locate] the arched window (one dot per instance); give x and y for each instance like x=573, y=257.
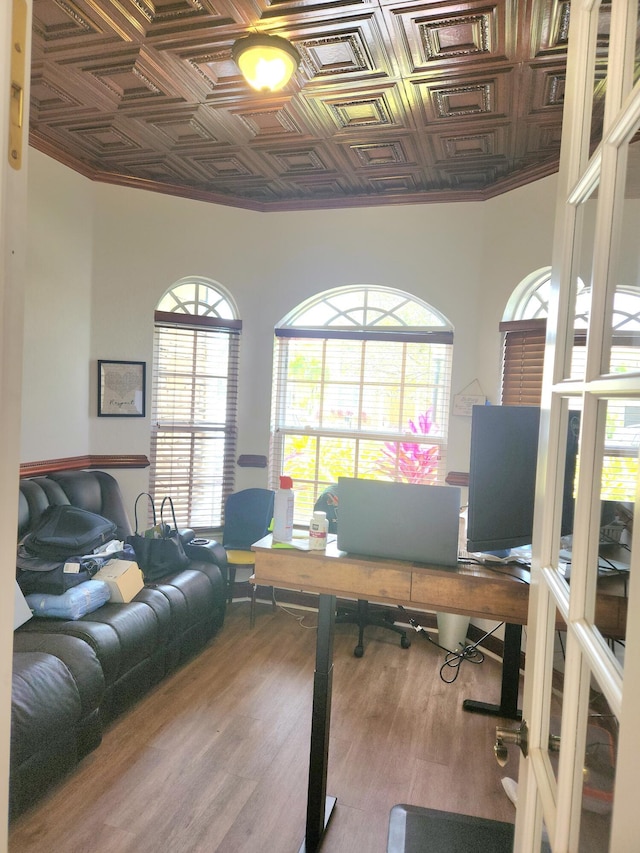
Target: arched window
x=530, y=299
x=524, y=328
x=361, y=388
x=195, y=378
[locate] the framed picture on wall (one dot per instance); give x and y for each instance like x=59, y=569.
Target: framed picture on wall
x=121, y=389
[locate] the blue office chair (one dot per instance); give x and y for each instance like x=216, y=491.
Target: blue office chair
x=247, y=518
x=328, y=502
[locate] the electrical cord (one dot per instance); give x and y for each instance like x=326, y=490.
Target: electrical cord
x=299, y=617
x=493, y=567
x=497, y=571
x=453, y=659
x=608, y=569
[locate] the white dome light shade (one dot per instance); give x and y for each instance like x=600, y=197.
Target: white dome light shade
x=266, y=62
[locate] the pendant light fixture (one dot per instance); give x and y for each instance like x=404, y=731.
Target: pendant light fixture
x=266, y=62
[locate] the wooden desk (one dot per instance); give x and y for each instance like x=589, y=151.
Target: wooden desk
x=471, y=590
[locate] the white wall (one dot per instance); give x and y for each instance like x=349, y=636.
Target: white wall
x=123, y=248
x=56, y=407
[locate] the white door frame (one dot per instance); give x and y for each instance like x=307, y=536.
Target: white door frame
x=13, y=219
x=541, y=795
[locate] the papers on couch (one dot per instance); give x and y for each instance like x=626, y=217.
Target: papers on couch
x=21, y=610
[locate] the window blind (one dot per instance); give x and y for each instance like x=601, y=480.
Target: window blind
x=523, y=361
x=193, y=433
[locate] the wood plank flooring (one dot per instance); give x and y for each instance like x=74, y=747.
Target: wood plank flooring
x=216, y=757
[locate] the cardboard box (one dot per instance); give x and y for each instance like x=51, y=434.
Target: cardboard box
x=123, y=577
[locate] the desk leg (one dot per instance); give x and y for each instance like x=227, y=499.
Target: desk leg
x=508, y=706
x=319, y=806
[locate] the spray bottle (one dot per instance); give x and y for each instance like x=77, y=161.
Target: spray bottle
x=283, y=511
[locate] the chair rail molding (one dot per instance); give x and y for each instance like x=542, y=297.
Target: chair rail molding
x=75, y=463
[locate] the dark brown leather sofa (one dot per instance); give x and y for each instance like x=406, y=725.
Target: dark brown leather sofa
x=72, y=677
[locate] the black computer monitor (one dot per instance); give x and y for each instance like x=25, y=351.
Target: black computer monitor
x=502, y=477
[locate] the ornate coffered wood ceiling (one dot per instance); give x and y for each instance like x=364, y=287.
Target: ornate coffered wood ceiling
x=396, y=101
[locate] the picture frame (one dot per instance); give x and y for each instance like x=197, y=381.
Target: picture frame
x=121, y=389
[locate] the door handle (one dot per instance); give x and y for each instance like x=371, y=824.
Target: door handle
x=519, y=737
x=504, y=736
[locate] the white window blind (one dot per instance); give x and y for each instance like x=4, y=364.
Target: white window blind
x=361, y=402
x=193, y=440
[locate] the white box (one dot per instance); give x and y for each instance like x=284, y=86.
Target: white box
x=123, y=577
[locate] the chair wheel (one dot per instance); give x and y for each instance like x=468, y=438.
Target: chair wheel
x=358, y=651
x=405, y=642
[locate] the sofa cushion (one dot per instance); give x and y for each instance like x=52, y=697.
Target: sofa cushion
x=45, y=709
x=126, y=639
x=45, y=701
x=95, y=491
x=192, y=598
x=77, y=656
x=36, y=495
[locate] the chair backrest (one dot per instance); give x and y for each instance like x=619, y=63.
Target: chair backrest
x=247, y=517
x=328, y=502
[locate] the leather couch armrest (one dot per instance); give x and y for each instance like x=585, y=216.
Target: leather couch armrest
x=186, y=535
x=207, y=551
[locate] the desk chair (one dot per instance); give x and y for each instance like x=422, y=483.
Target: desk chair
x=247, y=517
x=328, y=502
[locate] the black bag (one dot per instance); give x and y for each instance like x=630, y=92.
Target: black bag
x=161, y=553
x=68, y=531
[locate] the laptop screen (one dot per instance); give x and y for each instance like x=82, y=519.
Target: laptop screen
x=404, y=521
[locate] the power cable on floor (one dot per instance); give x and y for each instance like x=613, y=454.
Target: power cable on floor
x=453, y=659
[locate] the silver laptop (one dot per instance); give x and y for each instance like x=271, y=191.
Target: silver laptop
x=399, y=520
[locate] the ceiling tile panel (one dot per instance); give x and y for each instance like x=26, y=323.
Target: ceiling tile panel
x=293, y=10
x=436, y=37
x=383, y=154
x=548, y=28
x=546, y=89
x=441, y=100
x=301, y=161
x=50, y=98
x=188, y=128
x=229, y=166
x=474, y=176
x=178, y=21
x=366, y=110
x=56, y=22
x=269, y=122
x=341, y=49
x=483, y=142
x=216, y=70
x=394, y=184
x=103, y=140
